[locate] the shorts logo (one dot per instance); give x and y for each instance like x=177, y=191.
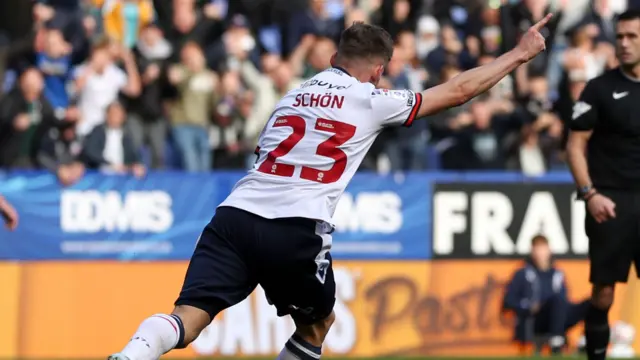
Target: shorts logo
x=383, y=92
x=305, y=311
x=321, y=273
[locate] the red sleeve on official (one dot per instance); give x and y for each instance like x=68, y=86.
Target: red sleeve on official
x=414, y=110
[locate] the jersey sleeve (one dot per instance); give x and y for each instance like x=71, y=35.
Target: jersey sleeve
x=585, y=111
x=395, y=107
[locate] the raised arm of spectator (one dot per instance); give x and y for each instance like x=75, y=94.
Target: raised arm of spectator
x=298, y=57
x=133, y=87
x=472, y=83
x=263, y=104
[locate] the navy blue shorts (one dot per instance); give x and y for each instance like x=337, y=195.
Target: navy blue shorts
x=287, y=257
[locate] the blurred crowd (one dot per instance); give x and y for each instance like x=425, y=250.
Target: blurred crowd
x=127, y=85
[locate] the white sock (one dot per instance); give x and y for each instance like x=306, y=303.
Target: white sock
x=298, y=349
x=156, y=335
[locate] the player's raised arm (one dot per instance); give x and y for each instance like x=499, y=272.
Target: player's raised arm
x=472, y=83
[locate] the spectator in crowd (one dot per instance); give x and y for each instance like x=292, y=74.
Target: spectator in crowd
x=265, y=93
x=236, y=39
x=537, y=294
x=319, y=57
x=124, y=19
x=100, y=81
x=146, y=123
x=109, y=148
x=55, y=65
x=536, y=149
x=313, y=21
x=601, y=18
x=405, y=148
x=416, y=73
x=59, y=152
x=450, y=51
x=65, y=15
x=261, y=49
x=24, y=114
x=190, y=24
x=515, y=18
x=233, y=105
x=427, y=36
x=192, y=110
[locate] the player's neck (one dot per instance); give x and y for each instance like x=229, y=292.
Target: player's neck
x=631, y=71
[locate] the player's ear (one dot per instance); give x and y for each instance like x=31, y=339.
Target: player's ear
x=379, y=70
x=333, y=59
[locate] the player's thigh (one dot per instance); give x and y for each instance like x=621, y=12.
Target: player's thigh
x=219, y=275
x=297, y=272
x=611, y=243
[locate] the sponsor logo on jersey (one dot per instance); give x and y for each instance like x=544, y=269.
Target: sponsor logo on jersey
x=410, y=100
x=399, y=94
x=382, y=92
x=579, y=109
x=325, y=84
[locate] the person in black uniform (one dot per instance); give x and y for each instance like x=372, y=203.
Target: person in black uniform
x=604, y=155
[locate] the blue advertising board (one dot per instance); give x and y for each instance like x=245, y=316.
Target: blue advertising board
x=160, y=217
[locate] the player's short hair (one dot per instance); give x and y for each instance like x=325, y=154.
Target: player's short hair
x=539, y=240
x=365, y=41
x=631, y=14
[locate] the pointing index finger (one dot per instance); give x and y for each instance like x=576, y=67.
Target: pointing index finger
x=542, y=23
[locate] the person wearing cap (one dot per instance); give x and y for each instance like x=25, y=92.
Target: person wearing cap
x=427, y=36
x=537, y=294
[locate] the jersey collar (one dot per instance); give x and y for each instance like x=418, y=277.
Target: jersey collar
x=629, y=77
x=341, y=69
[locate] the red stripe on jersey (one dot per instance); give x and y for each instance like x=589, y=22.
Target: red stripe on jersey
x=414, y=110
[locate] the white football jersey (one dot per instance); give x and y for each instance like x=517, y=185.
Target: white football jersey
x=314, y=143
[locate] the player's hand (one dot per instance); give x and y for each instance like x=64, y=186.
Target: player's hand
x=601, y=208
x=9, y=214
x=532, y=42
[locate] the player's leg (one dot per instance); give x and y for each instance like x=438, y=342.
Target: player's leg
x=313, y=316
x=298, y=279
x=610, y=256
x=218, y=277
x=306, y=341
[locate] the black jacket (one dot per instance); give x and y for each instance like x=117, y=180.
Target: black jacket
x=13, y=141
x=94, y=144
x=54, y=150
